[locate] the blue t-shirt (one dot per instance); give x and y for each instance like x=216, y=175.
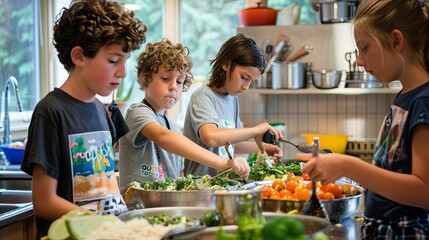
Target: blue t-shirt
x=393, y=149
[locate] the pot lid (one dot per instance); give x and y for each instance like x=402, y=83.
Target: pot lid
x=259, y=7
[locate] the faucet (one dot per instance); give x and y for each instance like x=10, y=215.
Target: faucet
x=11, y=81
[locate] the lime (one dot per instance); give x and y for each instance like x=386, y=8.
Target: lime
x=80, y=227
x=58, y=229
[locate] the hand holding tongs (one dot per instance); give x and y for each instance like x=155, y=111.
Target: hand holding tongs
x=313, y=206
x=230, y=157
x=270, y=139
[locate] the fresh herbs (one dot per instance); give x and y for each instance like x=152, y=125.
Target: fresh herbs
x=264, y=170
x=167, y=220
x=189, y=182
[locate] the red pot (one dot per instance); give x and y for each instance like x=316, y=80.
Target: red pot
x=259, y=15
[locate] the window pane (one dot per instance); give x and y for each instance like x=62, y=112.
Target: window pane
x=206, y=25
x=18, y=50
x=150, y=12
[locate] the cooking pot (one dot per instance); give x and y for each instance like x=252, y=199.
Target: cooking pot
x=289, y=75
x=337, y=11
x=259, y=15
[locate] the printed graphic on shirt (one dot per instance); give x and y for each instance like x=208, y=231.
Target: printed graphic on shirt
x=93, y=169
x=388, y=143
x=150, y=171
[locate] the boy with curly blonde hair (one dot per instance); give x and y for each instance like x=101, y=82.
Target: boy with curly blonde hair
x=155, y=148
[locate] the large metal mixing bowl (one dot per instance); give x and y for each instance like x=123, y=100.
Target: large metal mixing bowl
x=337, y=209
x=194, y=198
x=311, y=224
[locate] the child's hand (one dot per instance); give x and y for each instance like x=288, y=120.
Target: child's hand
x=274, y=151
x=262, y=128
x=240, y=166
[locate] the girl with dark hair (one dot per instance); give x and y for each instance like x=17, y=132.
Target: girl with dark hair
x=212, y=117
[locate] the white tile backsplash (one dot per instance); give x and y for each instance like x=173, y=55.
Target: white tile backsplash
x=359, y=116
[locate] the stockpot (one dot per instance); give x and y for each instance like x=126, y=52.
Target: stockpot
x=289, y=75
x=337, y=11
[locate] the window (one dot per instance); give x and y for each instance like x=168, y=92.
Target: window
x=205, y=26
x=19, y=50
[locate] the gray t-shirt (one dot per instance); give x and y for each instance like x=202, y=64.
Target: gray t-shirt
x=138, y=159
x=206, y=106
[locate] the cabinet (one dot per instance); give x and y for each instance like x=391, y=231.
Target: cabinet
x=24, y=229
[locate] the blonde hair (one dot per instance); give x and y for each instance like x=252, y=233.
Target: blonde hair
x=379, y=18
x=164, y=54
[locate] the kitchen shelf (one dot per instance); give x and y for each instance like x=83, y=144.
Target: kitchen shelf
x=313, y=90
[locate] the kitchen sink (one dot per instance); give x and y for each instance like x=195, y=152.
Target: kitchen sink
x=8, y=196
x=11, y=177
x=15, y=184
x=14, y=204
x=8, y=207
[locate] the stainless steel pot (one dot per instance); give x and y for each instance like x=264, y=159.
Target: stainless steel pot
x=289, y=75
x=230, y=204
x=337, y=11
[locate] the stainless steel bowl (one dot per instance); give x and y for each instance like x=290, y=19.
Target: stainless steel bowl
x=326, y=79
x=192, y=198
x=336, y=209
x=282, y=206
x=230, y=204
x=311, y=224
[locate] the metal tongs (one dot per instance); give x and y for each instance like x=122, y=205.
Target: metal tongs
x=269, y=138
x=228, y=169
x=313, y=206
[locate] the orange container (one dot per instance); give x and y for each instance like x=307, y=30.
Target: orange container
x=337, y=143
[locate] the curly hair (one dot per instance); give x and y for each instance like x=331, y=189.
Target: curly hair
x=92, y=24
x=164, y=54
x=238, y=50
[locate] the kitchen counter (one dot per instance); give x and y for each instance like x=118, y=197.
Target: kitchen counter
x=15, y=205
x=11, y=177
x=15, y=197
x=16, y=215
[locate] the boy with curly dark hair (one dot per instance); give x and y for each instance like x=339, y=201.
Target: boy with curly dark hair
x=69, y=150
x=155, y=148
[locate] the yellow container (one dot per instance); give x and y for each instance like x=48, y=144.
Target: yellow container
x=337, y=143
